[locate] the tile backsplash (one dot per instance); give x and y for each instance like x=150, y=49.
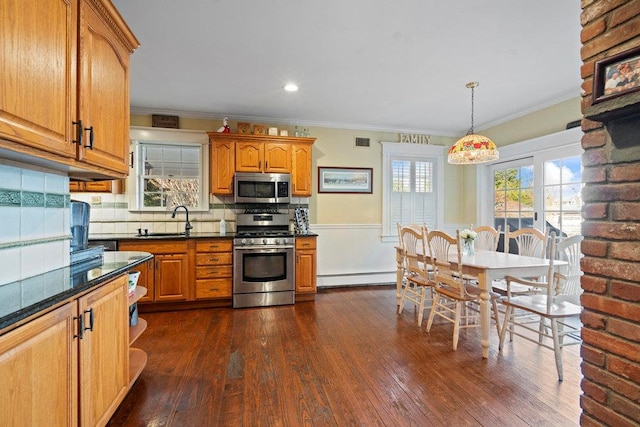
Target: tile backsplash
x=35, y=229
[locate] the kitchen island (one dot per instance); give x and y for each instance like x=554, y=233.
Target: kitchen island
x=65, y=343
x=32, y=296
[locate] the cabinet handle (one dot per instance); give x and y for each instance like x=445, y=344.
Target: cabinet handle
x=90, y=146
x=213, y=289
x=213, y=259
x=131, y=159
x=80, y=333
x=90, y=328
x=78, y=139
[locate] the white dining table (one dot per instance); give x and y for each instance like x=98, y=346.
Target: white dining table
x=488, y=266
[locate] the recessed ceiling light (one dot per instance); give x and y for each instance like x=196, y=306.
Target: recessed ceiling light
x=291, y=87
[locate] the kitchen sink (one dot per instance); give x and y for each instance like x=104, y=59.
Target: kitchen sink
x=161, y=234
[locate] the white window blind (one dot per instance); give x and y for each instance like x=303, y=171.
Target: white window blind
x=412, y=195
x=413, y=190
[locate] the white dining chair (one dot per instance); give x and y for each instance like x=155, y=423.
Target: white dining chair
x=453, y=295
x=543, y=306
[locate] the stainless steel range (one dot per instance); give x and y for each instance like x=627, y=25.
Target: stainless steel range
x=263, y=259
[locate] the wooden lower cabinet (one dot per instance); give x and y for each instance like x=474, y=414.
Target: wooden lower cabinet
x=167, y=279
x=171, y=277
x=104, y=351
x=306, y=267
x=39, y=371
x=56, y=373
x=214, y=268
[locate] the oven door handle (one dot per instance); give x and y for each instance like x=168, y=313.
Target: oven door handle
x=263, y=249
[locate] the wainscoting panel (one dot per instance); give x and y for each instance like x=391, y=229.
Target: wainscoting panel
x=354, y=254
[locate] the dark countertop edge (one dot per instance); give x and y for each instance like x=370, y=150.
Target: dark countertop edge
x=101, y=237
x=67, y=295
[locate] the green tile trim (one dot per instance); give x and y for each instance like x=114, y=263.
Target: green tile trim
x=54, y=201
x=122, y=205
x=17, y=198
x=32, y=200
x=10, y=198
x=23, y=243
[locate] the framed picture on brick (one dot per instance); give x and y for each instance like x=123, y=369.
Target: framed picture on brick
x=616, y=75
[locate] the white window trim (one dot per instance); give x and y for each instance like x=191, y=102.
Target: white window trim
x=394, y=149
x=138, y=134
x=560, y=144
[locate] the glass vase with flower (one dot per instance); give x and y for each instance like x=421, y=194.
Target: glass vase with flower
x=468, y=238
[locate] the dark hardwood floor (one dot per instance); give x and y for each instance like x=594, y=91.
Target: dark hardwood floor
x=347, y=359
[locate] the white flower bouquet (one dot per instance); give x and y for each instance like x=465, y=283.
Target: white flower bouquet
x=468, y=235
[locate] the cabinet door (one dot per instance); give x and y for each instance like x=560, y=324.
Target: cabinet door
x=172, y=277
x=277, y=157
x=305, y=271
x=104, y=351
x=103, y=93
x=249, y=156
x=301, y=170
x=222, y=166
x=306, y=264
x=39, y=371
x=38, y=50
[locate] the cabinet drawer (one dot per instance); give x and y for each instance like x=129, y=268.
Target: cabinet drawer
x=213, y=288
x=305, y=243
x=221, y=245
x=165, y=247
x=221, y=258
x=213, y=271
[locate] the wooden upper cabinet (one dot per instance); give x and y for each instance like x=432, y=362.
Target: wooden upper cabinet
x=231, y=153
x=222, y=165
x=38, y=50
x=263, y=156
x=65, y=74
x=104, y=92
x=277, y=157
x=301, y=165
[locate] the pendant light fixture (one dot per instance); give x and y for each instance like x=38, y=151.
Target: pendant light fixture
x=472, y=148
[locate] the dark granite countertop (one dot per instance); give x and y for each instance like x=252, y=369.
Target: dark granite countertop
x=134, y=236
x=24, y=298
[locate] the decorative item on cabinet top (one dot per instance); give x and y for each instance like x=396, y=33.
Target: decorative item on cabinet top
x=259, y=129
x=244, y=127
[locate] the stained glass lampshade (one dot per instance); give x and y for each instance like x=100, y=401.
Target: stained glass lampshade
x=471, y=149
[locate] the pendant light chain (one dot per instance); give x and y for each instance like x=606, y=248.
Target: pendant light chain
x=472, y=93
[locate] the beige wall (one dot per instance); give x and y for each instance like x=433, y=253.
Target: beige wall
x=336, y=147
x=539, y=123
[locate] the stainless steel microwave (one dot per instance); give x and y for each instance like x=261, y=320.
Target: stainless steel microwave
x=262, y=187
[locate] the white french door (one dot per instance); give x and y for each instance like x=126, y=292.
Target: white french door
x=514, y=195
x=538, y=184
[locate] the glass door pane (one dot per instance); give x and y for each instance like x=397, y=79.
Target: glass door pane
x=562, y=184
x=513, y=195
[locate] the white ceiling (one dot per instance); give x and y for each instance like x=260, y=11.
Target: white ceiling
x=396, y=65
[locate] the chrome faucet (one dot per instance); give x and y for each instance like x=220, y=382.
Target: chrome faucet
x=188, y=225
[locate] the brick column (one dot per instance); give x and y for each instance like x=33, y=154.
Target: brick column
x=611, y=227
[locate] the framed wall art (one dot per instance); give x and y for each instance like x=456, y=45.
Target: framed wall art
x=616, y=75
x=345, y=180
